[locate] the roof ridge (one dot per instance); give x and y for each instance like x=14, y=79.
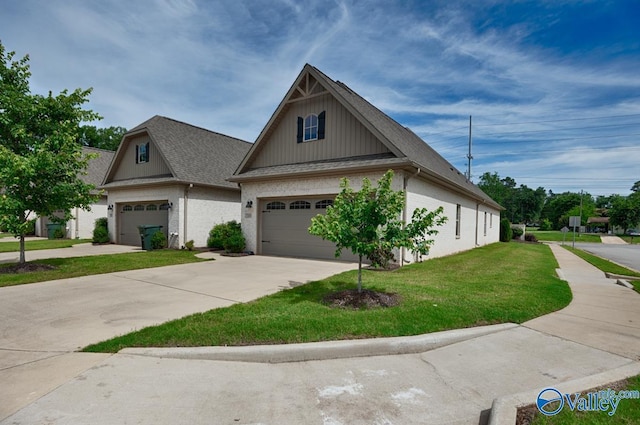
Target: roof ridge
x=199, y=128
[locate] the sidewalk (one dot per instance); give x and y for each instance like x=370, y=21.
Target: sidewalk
x=455, y=384
x=612, y=240
x=78, y=250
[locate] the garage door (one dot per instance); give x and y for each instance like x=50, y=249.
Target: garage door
x=285, y=225
x=136, y=214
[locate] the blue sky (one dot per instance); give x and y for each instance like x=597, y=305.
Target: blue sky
x=553, y=87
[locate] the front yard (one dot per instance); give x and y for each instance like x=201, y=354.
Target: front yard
x=40, y=244
x=503, y=282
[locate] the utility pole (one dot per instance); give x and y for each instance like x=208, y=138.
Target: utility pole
x=469, y=156
x=580, y=227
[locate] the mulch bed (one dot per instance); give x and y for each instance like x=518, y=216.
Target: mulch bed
x=352, y=299
x=26, y=268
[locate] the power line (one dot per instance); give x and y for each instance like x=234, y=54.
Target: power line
x=548, y=121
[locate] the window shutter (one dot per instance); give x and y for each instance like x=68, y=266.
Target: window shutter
x=321, y=125
x=147, y=150
x=300, y=129
x=137, y=154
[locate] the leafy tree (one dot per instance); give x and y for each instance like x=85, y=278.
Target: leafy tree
x=102, y=138
x=625, y=211
x=369, y=220
x=559, y=207
x=40, y=160
x=522, y=204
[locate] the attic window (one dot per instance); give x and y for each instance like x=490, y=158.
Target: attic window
x=142, y=153
x=311, y=127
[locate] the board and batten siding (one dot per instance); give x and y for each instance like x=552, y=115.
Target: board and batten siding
x=345, y=136
x=128, y=169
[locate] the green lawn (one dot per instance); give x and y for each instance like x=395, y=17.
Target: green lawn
x=627, y=412
x=41, y=244
x=5, y=235
x=558, y=236
x=630, y=239
x=84, y=266
x=502, y=282
x=606, y=265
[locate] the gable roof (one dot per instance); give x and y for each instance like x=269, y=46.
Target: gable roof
x=193, y=154
x=97, y=167
x=407, y=148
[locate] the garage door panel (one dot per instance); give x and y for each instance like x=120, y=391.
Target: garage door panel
x=130, y=218
x=285, y=232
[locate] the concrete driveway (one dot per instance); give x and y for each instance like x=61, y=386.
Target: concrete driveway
x=627, y=255
x=44, y=323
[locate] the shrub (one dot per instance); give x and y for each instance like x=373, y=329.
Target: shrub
x=235, y=243
x=101, y=231
x=530, y=237
x=31, y=229
x=59, y=233
x=381, y=257
x=505, y=230
x=158, y=240
x=545, y=224
x=189, y=245
x=221, y=233
x=516, y=232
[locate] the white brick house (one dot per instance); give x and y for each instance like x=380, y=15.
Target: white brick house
x=323, y=131
x=172, y=174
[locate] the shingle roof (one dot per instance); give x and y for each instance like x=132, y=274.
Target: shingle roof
x=97, y=167
x=397, y=138
x=193, y=154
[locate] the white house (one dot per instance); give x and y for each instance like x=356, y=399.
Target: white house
x=172, y=174
x=323, y=131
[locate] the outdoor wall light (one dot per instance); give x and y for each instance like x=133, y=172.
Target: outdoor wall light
x=249, y=204
x=110, y=207
x=170, y=205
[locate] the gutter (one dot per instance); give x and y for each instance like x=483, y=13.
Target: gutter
x=405, y=182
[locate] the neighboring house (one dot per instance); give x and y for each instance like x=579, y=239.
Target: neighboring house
x=82, y=224
x=323, y=131
x=172, y=174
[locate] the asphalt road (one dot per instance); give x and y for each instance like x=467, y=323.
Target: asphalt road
x=627, y=255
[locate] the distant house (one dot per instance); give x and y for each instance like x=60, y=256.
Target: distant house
x=323, y=131
x=82, y=224
x=172, y=174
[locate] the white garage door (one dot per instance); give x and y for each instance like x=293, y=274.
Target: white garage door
x=136, y=214
x=285, y=225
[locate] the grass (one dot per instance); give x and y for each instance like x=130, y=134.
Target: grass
x=628, y=412
x=85, y=266
x=498, y=283
x=41, y=244
x=630, y=239
x=558, y=236
x=606, y=265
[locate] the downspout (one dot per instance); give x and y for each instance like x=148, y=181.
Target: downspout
x=77, y=232
x=477, y=219
x=405, y=183
x=186, y=210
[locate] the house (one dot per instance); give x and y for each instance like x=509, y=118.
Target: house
x=172, y=174
x=323, y=131
x=83, y=222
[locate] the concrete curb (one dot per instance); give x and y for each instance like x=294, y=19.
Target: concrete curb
x=323, y=350
x=504, y=409
x=621, y=276
x=624, y=283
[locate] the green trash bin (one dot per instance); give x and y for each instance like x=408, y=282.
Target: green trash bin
x=52, y=228
x=146, y=232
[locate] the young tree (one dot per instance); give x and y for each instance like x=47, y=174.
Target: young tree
x=40, y=159
x=370, y=220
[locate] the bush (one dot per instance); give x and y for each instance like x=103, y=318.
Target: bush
x=101, y=231
x=381, y=257
x=31, y=229
x=505, y=230
x=516, y=232
x=235, y=243
x=530, y=237
x=158, y=240
x=189, y=245
x=59, y=233
x=222, y=232
x=545, y=224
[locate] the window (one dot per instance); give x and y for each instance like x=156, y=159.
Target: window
x=127, y=208
x=311, y=127
x=276, y=206
x=138, y=208
x=485, y=223
x=458, y=214
x=152, y=207
x=300, y=205
x=322, y=205
x=142, y=153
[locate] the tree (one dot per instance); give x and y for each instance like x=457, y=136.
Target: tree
x=625, y=211
x=40, y=159
x=102, y=138
x=370, y=219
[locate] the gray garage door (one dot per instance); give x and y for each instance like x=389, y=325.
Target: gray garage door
x=135, y=214
x=285, y=225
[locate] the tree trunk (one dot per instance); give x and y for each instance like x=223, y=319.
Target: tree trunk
x=22, y=259
x=360, y=274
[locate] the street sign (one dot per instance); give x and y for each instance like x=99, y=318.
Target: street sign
x=565, y=229
x=574, y=221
